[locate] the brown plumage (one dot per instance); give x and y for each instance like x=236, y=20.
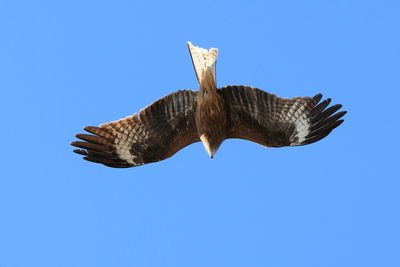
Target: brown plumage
x=209, y=115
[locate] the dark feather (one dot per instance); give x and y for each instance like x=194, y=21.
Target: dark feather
x=272, y=121
x=157, y=132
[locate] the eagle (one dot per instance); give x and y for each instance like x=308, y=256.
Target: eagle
x=209, y=115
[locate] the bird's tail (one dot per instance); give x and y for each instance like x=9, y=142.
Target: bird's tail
x=203, y=59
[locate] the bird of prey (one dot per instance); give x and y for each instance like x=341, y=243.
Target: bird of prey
x=209, y=115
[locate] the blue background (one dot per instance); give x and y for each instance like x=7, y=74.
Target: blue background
x=68, y=64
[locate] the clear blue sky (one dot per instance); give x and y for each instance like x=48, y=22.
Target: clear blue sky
x=68, y=64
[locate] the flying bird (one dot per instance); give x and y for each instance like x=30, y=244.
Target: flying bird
x=209, y=115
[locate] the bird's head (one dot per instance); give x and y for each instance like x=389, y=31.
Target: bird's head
x=210, y=146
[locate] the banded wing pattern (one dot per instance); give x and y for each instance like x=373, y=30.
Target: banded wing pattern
x=155, y=133
x=272, y=121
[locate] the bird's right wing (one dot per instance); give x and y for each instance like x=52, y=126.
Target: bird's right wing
x=272, y=121
x=203, y=59
x=156, y=133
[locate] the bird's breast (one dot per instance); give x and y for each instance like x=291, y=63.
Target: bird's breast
x=211, y=120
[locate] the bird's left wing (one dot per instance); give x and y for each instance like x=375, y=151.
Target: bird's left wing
x=273, y=121
x=155, y=133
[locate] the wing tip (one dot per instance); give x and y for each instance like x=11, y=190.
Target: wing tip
x=80, y=151
x=95, y=148
x=317, y=97
x=324, y=119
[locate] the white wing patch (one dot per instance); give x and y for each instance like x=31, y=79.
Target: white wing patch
x=127, y=131
x=302, y=128
x=299, y=118
x=203, y=59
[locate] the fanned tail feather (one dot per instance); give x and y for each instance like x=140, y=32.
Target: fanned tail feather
x=202, y=60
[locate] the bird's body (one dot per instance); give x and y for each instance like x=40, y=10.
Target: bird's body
x=209, y=115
